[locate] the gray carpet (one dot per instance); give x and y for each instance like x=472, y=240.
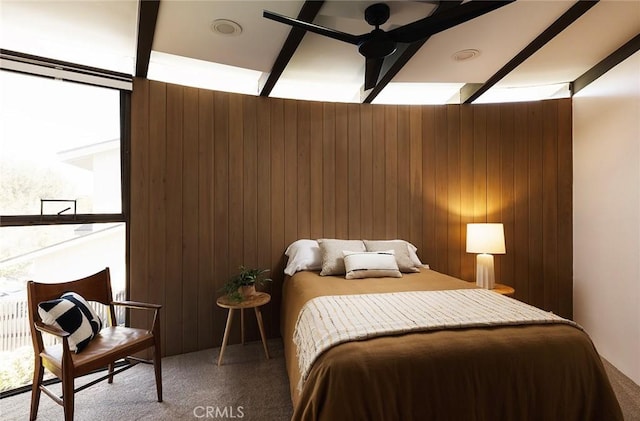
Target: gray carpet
x=246, y=386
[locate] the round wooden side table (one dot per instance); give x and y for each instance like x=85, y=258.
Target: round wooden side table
x=504, y=290
x=254, y=302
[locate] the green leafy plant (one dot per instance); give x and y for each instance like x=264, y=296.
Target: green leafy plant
x=246, y=277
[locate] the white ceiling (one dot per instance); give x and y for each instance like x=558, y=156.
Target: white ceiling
x=103, y=34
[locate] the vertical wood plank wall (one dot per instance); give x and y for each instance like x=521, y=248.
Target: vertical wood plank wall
x=219, y=180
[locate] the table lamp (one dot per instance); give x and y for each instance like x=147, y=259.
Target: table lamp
x=486, y=240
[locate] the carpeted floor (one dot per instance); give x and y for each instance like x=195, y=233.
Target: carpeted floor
x=246, y=386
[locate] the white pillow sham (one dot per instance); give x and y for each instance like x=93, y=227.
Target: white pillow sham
x=370, y=264
x=412, y=252
x=303, y=255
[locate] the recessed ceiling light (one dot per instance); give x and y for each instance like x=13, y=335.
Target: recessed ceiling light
x=464, y=55
x=226, y=27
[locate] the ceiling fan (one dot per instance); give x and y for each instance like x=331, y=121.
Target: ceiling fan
x=378, y=44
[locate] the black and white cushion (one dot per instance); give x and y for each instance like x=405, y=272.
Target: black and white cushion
x=370, y=264
x=73, y=314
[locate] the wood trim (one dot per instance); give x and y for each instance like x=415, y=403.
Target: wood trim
x=147, y=18
x=608, y=63
x=308, y=13
x=471, y=92
x=221, y=179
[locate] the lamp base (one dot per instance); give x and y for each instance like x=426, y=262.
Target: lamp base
x=485, y=276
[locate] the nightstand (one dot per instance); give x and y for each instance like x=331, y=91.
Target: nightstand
x=504, y=290
x=254, y=302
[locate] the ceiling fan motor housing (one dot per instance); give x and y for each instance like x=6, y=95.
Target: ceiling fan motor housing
x=378, y=45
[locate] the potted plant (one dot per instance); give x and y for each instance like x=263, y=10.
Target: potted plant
x=243, y=285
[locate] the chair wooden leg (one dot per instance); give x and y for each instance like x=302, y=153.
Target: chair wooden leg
x=110, y=379
x=157, y=366
x=68, y=397
x=38, y=372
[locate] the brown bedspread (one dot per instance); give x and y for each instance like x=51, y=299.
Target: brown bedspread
x=541, y=372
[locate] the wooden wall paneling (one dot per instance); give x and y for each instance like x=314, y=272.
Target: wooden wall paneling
x=139, y=226
x=236, y=183
x=221, y=204
x=521, y=202
x=328, y=170
x=455, y=242
x=379, y=172
x=428, y=252
x=250, y=202
x=157, y=153
x=277, y=167
x=480, y=164
x=536, y=273
x=206, y=289
x=174, y=303
x=353, y=163
x=250, y=181
x=304, y=171
x=565, y=209
x=507, y=179
x=404, y=174
x=342, y=171
x=467, y=260
x=235, y=208
x=231, y=180
x=264, y=205
x=391, y=170
x=415, y=174
x=366, y=171
x=550, y=203
x=494, y=204
x=190, y=220
x=315, y=152
x=290, y=171
x=441, y=152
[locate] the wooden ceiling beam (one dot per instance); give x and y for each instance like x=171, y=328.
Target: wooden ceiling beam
x=308, y=13
x=471, y=93
x=147, y=18
x=395, y=62
x=611, y=61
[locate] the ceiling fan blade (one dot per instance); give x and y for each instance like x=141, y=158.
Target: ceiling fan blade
x=372, y=69
x=449, y=18
x=311, y=27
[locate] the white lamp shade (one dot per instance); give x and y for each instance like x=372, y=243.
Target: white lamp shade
x=485, y=238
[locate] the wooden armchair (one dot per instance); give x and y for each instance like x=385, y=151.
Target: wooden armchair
x=111, y=344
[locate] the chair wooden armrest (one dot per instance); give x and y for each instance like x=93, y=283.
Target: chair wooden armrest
x=137, y=305
x=52, y=330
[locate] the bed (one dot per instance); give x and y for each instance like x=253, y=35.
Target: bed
x=513, y=372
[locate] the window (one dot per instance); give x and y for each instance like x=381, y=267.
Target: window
x=61, y=208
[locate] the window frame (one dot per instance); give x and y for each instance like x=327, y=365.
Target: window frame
x=75, y=73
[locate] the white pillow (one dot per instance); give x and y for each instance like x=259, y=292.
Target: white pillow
x=303, y=255
x=370, y=264
x=412, y=253
x=332, y=257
